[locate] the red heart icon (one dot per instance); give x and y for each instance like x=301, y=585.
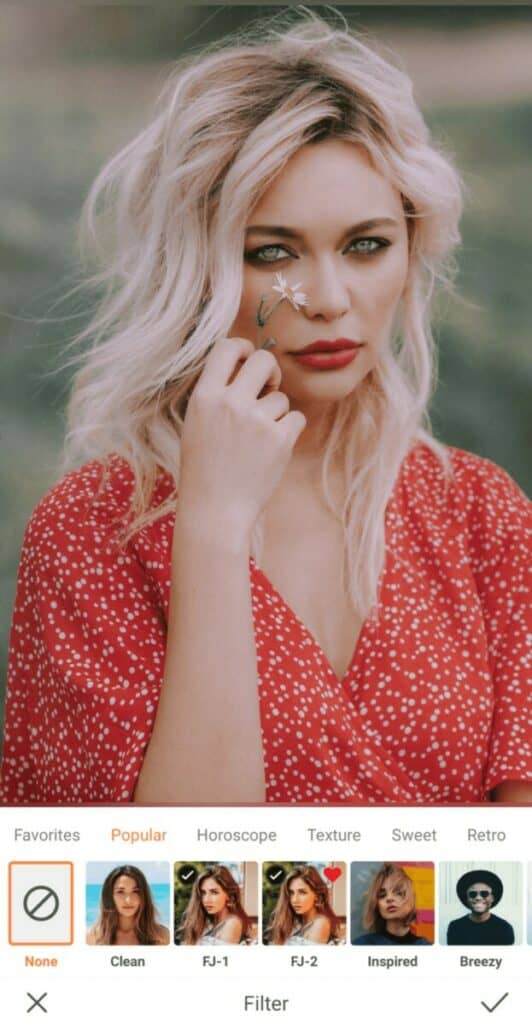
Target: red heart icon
x=332, y=873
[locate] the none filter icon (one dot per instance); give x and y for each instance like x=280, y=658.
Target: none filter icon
x=41, y=905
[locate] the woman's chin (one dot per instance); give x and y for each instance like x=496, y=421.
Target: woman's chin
x=321, y=386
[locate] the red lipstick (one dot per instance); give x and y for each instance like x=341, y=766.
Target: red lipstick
x=328, y=355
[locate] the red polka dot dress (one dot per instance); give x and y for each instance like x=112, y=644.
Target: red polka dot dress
x=435, y=706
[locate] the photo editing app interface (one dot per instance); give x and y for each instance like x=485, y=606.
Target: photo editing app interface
x=254, y=914
x=265, y=729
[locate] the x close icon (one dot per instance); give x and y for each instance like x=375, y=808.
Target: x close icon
x=36, y=1001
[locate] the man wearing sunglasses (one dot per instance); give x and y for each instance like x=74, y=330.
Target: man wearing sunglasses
x=480, y=891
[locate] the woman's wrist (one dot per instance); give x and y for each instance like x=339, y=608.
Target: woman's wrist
x=216, y=534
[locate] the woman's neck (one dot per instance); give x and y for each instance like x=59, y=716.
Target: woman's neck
x=397, y=928
x=312, y=440
x=126, y=924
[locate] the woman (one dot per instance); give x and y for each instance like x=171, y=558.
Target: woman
x=264, y=352
x=215, y=915
x=128, y=916
x=480, y=891
x=303, y=915
x=390, y=910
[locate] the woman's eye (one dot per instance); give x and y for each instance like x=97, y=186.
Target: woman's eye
x=368, y=246
x=268, y=254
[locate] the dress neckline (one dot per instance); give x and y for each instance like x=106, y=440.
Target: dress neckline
x=344, y=680
x=368, y=625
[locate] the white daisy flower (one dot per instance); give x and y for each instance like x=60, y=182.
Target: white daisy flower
x=290, y=292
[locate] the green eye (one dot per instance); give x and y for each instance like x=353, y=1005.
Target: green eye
x=368, y=246
x=267, y=254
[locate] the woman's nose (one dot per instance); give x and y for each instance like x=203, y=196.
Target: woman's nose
x=328, y=296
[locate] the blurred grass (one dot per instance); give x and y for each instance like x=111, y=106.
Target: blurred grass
x=62, y=121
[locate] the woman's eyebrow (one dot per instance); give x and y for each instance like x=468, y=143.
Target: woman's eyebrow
x=286, y=232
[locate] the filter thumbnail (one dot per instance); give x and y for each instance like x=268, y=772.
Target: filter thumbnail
x=128, y=904
x=40, y=903
x=479, y=888
x=392, y=903
x=216, y=903
x=304, y=903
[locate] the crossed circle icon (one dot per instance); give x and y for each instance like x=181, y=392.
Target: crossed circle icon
x=40, y=908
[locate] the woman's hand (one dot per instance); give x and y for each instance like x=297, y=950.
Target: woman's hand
x=236, y=444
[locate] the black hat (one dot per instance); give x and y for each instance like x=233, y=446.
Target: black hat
x=472, y=877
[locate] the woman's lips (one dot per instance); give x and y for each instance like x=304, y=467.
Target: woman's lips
x=328, y=355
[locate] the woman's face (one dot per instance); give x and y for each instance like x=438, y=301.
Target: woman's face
x=479, y=897
x=393, y=900
x=127, y=896
x=333, y=225
x=302, y=897
x=213, y=897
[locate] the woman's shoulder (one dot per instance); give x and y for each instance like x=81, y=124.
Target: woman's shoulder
x=99, y=489
x=319, y=930
x=466, y=486
x=163, y=935
x=96, y=497
x=372, y=939
x=232, y=927
x=442, y=466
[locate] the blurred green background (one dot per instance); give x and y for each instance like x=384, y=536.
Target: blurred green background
x=78, y=83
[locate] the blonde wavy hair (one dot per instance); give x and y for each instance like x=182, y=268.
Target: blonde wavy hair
x=166, y=220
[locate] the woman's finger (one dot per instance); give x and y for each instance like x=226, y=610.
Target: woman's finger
x=223, y=360
x=259, y=370
x=291, y=426
x=274, y=405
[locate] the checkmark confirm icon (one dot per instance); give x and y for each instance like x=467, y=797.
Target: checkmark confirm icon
x=187, y=874
x=490, y=1009
x=275, y=874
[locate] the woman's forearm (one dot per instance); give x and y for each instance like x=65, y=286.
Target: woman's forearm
x=206, y=743
x=236, y=443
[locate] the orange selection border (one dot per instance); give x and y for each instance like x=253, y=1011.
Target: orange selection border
x=15, y=863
